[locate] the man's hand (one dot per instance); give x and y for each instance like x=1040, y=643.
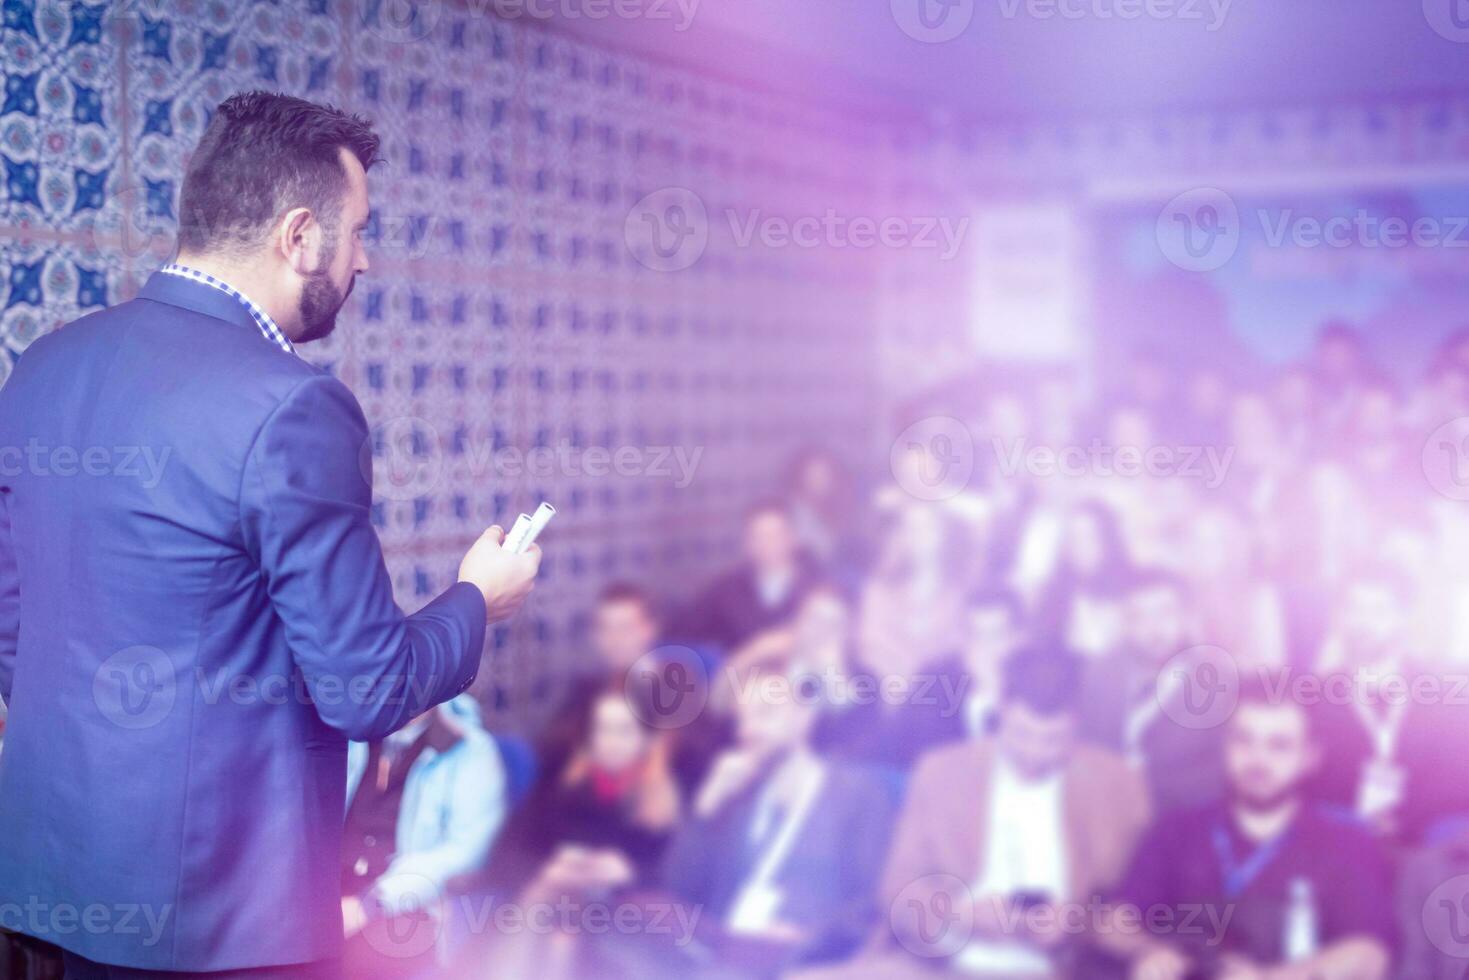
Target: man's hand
x=502, y=577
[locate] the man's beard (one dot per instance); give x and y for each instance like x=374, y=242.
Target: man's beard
x=319, y=304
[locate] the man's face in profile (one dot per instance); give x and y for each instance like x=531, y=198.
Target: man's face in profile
x=343, y=257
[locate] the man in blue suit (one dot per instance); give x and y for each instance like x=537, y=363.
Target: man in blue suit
x=195, y=616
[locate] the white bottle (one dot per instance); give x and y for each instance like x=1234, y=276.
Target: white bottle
x=1302, y=938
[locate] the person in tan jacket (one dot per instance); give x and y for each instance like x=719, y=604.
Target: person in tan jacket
x=1006, y=843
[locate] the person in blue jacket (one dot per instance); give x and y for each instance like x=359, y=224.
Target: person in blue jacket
x=195, y=615
x=424, y=806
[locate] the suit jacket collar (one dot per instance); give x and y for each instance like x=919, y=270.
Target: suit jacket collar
x=198, y=298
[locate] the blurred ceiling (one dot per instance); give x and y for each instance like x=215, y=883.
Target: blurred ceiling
x=1022, y=58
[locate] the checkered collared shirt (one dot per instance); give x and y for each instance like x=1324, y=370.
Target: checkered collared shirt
x=262, y=319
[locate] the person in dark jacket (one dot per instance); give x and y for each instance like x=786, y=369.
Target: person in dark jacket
x=782, y=849
x=763, y=590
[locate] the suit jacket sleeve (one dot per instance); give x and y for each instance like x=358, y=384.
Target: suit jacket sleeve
x=915, y=884
x=9, y=599
x=304, y=511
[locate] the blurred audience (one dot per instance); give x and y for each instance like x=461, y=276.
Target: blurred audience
x=1256, y=577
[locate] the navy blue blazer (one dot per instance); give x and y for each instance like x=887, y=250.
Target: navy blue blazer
x=195, y=618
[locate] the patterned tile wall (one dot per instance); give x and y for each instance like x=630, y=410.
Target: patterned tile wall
x=506, y=310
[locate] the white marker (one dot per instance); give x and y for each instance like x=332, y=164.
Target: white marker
x=538, y=523
x=517, y=531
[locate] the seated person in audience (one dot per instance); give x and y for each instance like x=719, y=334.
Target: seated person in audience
x=823, y=508
x=1081, y=604
x=624, y=627
x=892, y=720
x=614, y=799
x=1131, y=697
x=1000, y=835
x=593, y=830
x=782, y=849
x=1265, y=885
x=762, y=591
x=1394, y=731
x=997, y=630
x=423, y=807
x=912, y=606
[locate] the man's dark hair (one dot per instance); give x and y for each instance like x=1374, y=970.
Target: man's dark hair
x=997, y=597
x=1271, y=687
x=263, y=154
x=1047, y=680
x=628, y=592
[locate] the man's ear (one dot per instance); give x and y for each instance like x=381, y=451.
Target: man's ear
x=300, y=240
